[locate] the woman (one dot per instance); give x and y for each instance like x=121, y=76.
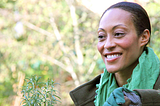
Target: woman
x=131, y=67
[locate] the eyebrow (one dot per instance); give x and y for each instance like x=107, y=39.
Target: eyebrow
x=101, y=29
x=118, y=26
x=112, y=28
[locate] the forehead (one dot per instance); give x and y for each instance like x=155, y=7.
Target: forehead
x=116, y=16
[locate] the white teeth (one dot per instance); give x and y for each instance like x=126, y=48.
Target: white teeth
x=112, y=56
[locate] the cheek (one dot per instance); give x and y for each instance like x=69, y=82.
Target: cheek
x=127, y=43
x=100, y=47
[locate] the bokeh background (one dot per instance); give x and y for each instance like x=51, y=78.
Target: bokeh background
x=55, y=39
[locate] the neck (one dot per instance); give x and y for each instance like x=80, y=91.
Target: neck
x=123, y=75
x=122, y=78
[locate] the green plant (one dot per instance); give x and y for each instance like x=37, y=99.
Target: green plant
x=36, y=93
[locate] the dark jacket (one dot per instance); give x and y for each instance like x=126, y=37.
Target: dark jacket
x=84, y=95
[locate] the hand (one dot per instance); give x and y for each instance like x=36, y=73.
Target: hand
x=117, y=98
x=127, y=101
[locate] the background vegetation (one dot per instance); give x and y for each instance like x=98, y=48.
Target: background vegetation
x=53, y=39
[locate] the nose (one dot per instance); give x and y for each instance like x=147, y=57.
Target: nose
x=109, y=43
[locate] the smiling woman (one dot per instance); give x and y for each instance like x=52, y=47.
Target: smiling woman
x=124, y=31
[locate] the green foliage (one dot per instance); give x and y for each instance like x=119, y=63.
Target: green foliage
x=7, y=3
x=37, y=93
x=153, y=9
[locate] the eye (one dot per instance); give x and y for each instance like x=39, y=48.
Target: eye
x=100, y=36
x=119, y=34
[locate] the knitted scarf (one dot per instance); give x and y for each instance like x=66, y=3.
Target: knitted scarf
x=143, y=76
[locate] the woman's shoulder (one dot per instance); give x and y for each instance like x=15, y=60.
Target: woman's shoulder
x=157, y=84
x=84, y=95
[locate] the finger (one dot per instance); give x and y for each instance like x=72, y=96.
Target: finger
x=127, y=101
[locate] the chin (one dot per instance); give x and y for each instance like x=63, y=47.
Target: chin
x=112, y=70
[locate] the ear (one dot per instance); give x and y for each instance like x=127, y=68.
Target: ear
x=145, y=37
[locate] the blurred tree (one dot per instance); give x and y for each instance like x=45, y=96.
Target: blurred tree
x=52, y=38
x=153, y=9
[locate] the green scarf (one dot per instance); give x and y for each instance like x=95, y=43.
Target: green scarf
x=144, y=76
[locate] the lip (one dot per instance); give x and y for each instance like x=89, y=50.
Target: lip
x=114, y=58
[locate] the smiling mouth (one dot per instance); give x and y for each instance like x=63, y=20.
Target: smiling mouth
x=113, y=56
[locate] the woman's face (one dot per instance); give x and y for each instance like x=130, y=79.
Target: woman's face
x=119, y=44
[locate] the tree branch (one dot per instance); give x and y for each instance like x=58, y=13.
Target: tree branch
x=30, y=25
x=67, y=67
x=93, y=64
x=75, y=28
